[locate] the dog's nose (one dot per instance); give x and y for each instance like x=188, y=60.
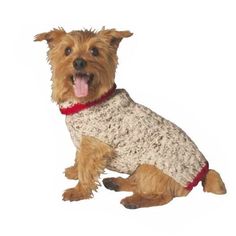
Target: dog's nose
x=79, y=63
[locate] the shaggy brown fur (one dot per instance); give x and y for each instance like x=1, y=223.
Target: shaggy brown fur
x=150, y=186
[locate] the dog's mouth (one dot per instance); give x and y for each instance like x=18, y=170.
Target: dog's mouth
x=81, y=82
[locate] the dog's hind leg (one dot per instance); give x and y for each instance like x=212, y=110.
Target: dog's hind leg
x=137, y=200
x=151, y=187
x=92, y=160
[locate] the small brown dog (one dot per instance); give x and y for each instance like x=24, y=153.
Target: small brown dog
x=111, y=131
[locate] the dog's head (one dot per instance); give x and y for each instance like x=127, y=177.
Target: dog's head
x=83, y=62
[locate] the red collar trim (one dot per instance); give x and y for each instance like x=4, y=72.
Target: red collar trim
x=80, y=106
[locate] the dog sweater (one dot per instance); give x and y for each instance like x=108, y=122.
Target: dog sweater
x=139, y=136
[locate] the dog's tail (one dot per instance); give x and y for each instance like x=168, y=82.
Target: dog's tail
x=213, y=183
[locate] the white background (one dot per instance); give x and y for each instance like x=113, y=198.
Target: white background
x=180, y=62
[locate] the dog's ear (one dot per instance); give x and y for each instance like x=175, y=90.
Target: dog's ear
x=114, y=37
x=52, y=37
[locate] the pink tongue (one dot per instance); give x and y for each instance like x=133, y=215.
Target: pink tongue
x=80, y=88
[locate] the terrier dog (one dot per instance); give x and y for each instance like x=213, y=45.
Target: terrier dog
x=110, y=130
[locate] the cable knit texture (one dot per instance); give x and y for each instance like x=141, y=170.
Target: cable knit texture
x=139, y=136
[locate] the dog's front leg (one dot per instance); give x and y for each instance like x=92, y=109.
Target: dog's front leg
x=92, y=159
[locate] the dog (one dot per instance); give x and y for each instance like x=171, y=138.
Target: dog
x=110, y=130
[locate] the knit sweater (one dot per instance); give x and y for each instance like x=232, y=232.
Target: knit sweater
x=139, y=136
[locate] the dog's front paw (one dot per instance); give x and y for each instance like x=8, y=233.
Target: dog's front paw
x=71, y=172
x=75, y=194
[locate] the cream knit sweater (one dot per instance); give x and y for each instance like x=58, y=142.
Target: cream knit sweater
x=139, y=136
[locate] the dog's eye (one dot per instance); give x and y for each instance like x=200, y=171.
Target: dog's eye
x=94, y=51
x=68, y=51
